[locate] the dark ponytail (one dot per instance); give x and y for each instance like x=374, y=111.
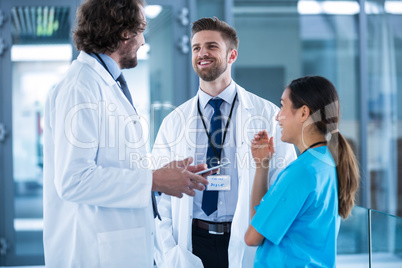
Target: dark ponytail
x=320, y=96
x=348, y=172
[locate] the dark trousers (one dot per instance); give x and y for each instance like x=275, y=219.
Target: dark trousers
x=212, y=249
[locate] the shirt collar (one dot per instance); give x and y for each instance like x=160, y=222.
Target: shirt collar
x=111, y=65
x=227, y=95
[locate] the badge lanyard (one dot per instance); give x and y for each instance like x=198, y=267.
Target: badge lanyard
x=226, y=127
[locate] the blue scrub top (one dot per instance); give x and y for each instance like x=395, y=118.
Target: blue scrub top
x=298, y=216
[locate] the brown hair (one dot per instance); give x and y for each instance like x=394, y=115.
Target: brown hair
x=208, y=24
x=101, y=24
x=320, y=96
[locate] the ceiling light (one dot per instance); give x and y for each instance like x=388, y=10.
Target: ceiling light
x=328, y=7
x=393, y=7
x=152, y=11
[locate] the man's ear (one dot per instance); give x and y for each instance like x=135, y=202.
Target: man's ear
x=232, y=55
x=125, y=36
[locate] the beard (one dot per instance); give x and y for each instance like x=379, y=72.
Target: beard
x=127, y=61
x=211, y=73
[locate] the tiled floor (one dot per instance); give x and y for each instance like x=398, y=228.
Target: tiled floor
x=382, y=260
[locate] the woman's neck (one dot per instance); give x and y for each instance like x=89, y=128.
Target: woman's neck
x=310, y=141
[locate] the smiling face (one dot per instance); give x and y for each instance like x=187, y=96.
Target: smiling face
x=210, y=55
x=289, y=119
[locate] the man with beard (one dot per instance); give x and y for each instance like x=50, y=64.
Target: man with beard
x=216, y=126
x=98, y=204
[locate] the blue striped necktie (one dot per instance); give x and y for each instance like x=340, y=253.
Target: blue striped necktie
x=210, y=198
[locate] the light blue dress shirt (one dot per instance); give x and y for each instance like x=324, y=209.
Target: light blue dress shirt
x=226, y=199
x=111, y=65
x=298, y=216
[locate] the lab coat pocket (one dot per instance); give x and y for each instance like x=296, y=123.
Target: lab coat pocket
x=124, y=248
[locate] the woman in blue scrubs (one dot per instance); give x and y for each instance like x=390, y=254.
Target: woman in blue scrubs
x=296, y=221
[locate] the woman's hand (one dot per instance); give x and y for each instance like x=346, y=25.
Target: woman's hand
x=262, y=149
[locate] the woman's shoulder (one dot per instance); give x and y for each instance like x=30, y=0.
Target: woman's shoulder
x=298, y=170
x=309, y=166
x=301, y=166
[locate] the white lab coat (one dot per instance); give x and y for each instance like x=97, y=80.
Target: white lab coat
x=176, y=140
x=97, y=194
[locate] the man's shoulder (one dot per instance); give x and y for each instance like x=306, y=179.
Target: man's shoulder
x=79, y=79
x=183, y=109
x=259, y=102
x=81, y=74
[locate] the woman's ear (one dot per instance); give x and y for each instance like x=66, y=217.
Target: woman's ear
x=304, y=113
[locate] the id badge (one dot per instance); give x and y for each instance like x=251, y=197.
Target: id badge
x=218, y=183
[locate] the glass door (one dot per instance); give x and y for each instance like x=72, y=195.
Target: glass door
x=35, y=51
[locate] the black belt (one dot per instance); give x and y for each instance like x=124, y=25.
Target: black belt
x=213, y=227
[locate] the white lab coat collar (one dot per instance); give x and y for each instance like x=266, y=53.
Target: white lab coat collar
x=227, y=95
x=244, y=98
x=93, y=63
x=110, y=63
x=85, y=58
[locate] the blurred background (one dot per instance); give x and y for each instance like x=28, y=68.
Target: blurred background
x=355, y=44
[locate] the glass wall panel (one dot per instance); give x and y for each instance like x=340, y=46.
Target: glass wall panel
x=40, y=54
x=353, y=240
x=210, y=8
x=394, y=10
x=33, y=78
x=386, y=240
x=385, y=112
